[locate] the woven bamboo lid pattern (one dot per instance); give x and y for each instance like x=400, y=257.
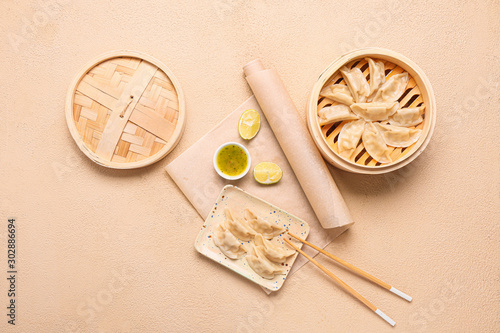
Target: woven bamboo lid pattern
x=125, y=110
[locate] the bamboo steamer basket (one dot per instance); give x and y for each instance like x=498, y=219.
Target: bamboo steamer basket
x=125, y=110
x=418, y=91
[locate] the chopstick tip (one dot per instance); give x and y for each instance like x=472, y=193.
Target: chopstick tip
x=385, y=317
x=401, y=294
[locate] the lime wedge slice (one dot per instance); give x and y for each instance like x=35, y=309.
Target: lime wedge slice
x=267, y=173
x=249, y=124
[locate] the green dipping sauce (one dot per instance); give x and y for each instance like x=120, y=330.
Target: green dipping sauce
x=232, y=160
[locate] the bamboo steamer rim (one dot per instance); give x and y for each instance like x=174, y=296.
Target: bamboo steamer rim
x=179, y=125
x=426, y=92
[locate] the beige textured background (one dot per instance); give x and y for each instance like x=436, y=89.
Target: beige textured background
x=112, y=251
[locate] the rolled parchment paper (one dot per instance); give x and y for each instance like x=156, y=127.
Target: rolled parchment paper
x=298, y=146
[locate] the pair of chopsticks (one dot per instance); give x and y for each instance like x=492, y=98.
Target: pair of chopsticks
x=354, y=269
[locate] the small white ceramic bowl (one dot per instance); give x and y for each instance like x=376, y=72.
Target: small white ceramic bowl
x=241, y=175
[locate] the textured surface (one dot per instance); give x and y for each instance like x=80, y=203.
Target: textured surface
x=112, y=251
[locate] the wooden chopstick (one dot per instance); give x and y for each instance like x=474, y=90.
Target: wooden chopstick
x=356, y=270
x=344, y=285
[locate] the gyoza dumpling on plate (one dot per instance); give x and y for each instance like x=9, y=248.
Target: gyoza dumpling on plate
x=335, y=113
x=257, y=223
x=392, y=89
x=399, y=136
x=237, y=226
x=375, y=145
x=377, y=76
x=356, y=81
x=375, y=111
x=407, y=117
x=273, y=251
x=349, y=137
x=258, y=261
x=228, y=243
x=337, y=92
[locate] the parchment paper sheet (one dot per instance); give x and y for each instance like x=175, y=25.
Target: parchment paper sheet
x=194, y=173
x=298, y=146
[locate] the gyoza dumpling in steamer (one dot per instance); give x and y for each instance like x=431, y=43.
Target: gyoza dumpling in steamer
x=407, y=117
x=228, y=243
x=377, y=76
x=338, y=93
x=349, y=137
x=375, y=111
x=257, y=223
x=375, y=145
x=392, y=89
x=258, y=261
x=273, y=251
x=238, y=227
x=356, y=81
x=399, y=136
x=335, y=113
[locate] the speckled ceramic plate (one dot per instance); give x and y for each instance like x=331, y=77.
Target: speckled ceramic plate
x=237, y=199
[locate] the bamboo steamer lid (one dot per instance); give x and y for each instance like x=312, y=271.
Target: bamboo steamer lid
x=125, y=110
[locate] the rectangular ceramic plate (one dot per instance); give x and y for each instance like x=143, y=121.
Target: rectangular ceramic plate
x=237, y=199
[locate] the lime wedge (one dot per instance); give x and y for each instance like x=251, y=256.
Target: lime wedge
x=249, y=124
x=267, y=173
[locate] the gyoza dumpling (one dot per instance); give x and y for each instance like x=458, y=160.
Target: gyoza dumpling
x=349, y=137
x=399, y=136
x=273, y=251
x=228, y=243
x=335, y=113
x=392, y=89
x=377, y=76
x=238, y=227
x=375, y=111
x=375, y=145
x=407, y=117
x=257, y=261
x=257, y=223
x=356, y=81
x=337, y=92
